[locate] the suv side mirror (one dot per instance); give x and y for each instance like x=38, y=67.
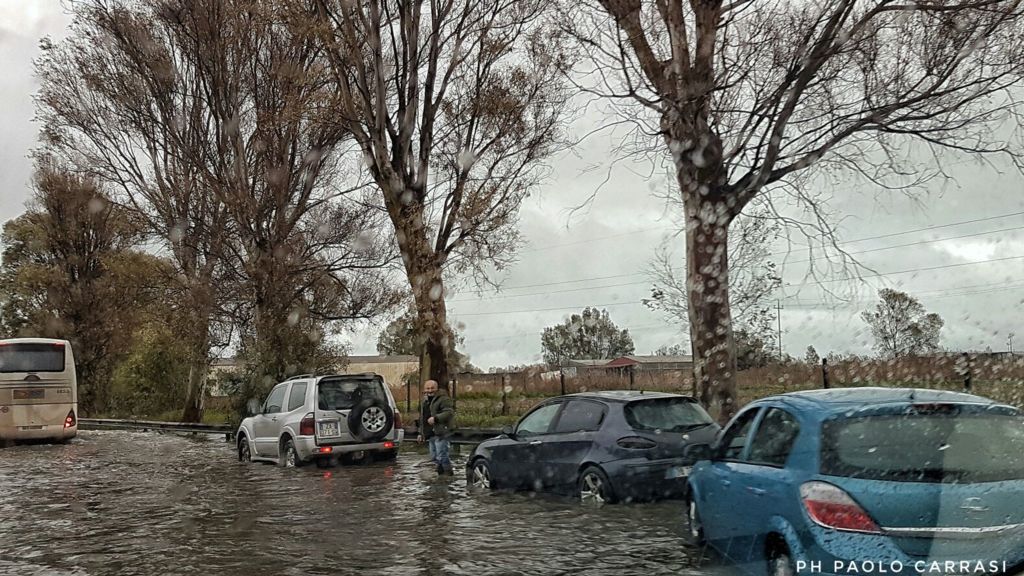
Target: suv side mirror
x=698, y=452
x=508, y=431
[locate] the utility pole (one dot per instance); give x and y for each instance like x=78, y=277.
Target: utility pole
x=1009, y=341
x=778, y=316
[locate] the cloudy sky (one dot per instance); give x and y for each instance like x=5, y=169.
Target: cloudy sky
x=960, y=249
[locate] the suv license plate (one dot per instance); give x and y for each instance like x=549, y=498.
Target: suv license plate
x=329, y=429
x=677, y=472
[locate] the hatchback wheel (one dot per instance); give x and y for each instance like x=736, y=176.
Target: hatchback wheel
x=244, y=452
x=780, y=564
x=594, y=487
x=694, y=526
x=478, y=478
x=289, y=457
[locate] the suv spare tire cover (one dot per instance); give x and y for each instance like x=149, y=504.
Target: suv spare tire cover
x=379, y=420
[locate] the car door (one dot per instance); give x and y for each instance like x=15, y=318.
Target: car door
x=571, y=440
x=717, y=498
x=516, y=463
x=267, y=425
x=762, y=484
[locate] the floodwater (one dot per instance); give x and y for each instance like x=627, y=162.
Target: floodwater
x=151, y=504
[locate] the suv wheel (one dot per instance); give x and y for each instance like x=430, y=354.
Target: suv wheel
x=289, y=457
x=244, y=452
x=371, y=420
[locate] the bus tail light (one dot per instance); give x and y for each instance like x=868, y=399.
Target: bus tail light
x=70, y=420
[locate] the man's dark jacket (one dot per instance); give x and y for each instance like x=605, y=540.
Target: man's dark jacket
x=442, y=410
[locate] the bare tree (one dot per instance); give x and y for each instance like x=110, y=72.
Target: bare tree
x=755, y=279
x=455, y=104
x=71, y=269
x=306, y=251
x=213, y=117
x=748, y=95
x=901, y=326
x=117, y=102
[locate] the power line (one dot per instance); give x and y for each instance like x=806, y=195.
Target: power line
x=919, y=243
x=953, y=293
x=536, y=334
x=796, y=305
x=950, y=225
x=595, y=239
x=876, y=275
x=639, y=282
x=890, y=235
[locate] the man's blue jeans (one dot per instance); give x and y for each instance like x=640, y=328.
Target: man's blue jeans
x=439, y=448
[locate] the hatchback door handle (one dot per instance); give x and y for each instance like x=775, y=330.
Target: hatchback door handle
x=756, y=491
x=535, y=442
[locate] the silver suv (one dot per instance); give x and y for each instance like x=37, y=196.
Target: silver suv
x=321, y=419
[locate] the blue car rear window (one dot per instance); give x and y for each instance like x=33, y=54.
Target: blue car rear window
x=937, y=447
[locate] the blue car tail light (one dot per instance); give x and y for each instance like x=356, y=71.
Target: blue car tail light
x=831, y=507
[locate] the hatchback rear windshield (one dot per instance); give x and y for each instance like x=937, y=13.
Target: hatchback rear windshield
x=345, y=393
x=38, y=357
x=666, y=414
x=925, y=448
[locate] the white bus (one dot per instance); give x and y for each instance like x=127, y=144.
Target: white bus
x=38, y=390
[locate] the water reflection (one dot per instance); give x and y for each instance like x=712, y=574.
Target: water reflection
x=127, y=503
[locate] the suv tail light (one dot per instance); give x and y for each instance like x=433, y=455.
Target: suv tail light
x=636, y=443
x=70, y=420
x=307, y=426
x=398, y=420
x=831, y=507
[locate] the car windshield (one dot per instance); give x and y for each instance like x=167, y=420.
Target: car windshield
x=925, y=448
x=347, y=393
x=31, y=357
x=666, y=414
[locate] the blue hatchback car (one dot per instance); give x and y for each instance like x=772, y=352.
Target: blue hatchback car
x=864, y=481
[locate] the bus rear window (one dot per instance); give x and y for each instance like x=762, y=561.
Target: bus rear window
x=28, y=357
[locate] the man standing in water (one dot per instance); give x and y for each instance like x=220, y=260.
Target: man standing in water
x=437, y=430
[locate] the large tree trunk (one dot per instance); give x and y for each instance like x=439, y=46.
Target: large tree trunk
x=199, y=364
x=709, y=210
x=707, y=273
x=434, y=360
x=424, y=269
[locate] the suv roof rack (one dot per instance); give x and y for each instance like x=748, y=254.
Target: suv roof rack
x=298, y=376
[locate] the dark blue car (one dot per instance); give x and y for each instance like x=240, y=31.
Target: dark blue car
x=600, y=446
x=866, y=480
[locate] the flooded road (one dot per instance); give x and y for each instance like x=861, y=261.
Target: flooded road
x=151, y=504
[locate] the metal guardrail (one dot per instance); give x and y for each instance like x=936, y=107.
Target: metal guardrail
x=459, y=435
x=462, y=435
x=147, y=425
